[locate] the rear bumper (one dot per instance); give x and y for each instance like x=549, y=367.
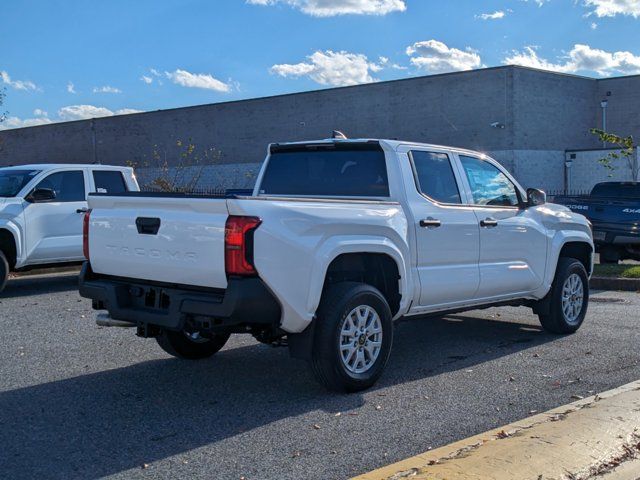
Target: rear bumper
x=608, y=234
x=246, y=301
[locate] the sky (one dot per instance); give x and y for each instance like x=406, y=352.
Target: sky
x=64, y=60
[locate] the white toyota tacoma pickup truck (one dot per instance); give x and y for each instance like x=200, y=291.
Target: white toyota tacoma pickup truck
x=338, y=239
x=41, y=211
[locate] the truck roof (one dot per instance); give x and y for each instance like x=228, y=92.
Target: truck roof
x=53, y=166
x=392, y=143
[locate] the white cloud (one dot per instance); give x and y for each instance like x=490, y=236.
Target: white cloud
x=71, y=88
x=65, y=114
x=17, y=84
x=330, y=8
x=384, y=62
x=497, y=15
x=146, y=79
x=538, y=2
x=331, y=68
x=611, y=8
x=197, y=80
x=16, y=122
x=436, y=57
x=127, y=111
x=106, y=89
x=594, y=25
x=580, y=58
x=81, y=112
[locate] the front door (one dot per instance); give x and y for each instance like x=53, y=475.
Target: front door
x=513, y=244
x=447, y=233
x=54, y=228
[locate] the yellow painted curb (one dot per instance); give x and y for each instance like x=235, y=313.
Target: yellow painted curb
x=591, y=437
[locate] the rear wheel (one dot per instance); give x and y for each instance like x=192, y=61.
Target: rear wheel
x=191, y=346
x=353, y=337
x=568, y=298
x=4, y=270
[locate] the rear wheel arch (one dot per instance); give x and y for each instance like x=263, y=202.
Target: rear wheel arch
x=379, y=270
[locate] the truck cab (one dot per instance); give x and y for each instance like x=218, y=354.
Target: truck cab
x=41, y=211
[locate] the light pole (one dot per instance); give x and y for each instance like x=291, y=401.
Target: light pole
x=603, y=104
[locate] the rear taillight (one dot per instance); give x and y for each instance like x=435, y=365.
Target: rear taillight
x=85, y=234
x=238, y=245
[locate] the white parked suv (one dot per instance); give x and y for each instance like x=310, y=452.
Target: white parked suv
x=41, y=211
x=338, y=239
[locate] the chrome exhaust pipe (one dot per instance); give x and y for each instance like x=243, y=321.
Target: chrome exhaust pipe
x=104, y=320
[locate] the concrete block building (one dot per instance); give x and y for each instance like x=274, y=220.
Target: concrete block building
x=535, y=122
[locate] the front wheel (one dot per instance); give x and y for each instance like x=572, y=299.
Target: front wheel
x=191, y=346
x=568, y=298
x=353, y=337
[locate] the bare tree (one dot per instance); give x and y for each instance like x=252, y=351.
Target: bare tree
x=178, y=169
x=625, y=149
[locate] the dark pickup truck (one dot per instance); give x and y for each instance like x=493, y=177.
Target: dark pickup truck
x=614, y=210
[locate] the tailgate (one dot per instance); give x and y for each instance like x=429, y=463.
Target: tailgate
x=164, y=238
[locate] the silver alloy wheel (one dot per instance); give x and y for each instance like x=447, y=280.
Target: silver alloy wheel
x=360, y=339
x=572, y=298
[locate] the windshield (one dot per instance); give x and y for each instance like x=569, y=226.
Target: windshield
x=12, y=181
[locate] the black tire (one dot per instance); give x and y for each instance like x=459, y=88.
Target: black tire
x=609, y=255
x=180, y=345
x=4, y=271
x=555, y=320
x=326, y=360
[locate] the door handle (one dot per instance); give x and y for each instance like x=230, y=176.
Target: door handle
x=430, y=222
x=489, y=222
x=82, y=210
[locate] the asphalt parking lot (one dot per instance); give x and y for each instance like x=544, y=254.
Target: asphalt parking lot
x=80, y=401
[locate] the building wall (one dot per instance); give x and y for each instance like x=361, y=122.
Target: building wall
x=553, y=111
x=623, y=105
x=454, y=109
x=586, y=169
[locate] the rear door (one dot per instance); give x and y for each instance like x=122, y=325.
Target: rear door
x=54, y=228
x=108, y=181
x=513, y=243
x=447, y=232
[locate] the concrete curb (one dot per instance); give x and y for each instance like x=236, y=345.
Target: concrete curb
x=615, y=283
x=584, y=439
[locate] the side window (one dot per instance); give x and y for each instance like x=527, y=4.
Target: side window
x=109, y=181
x=489, y=186
x=434, y=176
x=68, y=186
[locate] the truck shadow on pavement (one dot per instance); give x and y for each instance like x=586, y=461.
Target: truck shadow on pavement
x=39, y=285
x=107, y=422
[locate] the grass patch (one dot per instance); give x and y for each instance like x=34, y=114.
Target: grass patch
x=623, y=271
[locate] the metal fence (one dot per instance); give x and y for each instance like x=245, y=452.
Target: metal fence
x=573, y=193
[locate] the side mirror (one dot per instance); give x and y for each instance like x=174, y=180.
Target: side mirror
x=41, y=195
x=536, y=197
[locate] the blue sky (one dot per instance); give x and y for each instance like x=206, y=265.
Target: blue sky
x=73, y=59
